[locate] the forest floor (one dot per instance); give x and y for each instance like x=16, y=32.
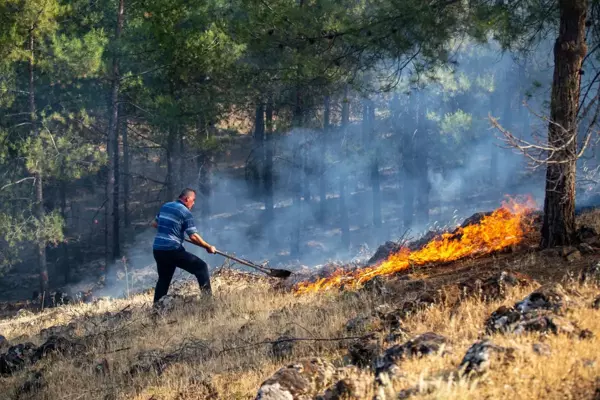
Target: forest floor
x=452, y=331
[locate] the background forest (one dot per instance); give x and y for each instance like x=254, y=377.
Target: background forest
x=312, y=130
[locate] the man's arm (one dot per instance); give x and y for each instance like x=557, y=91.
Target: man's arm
x=197, y=239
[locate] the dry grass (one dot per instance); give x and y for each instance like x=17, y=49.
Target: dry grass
x=569, y=372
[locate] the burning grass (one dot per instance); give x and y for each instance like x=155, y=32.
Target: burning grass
x=503, y=228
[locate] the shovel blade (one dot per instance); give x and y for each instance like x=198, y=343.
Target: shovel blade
x=279, y=273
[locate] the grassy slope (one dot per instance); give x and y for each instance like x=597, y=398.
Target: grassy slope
x=217, y=339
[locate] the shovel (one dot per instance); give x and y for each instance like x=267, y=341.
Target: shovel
x=275, y=273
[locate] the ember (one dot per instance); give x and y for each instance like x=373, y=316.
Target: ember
x=503, y=228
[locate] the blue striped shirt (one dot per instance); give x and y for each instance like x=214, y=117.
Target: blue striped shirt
x=174, y=219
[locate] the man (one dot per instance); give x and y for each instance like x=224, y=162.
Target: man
x=172, y=221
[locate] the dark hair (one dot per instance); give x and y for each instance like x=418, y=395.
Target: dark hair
x=186, y=193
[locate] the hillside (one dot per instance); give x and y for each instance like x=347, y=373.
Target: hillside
x=407, y=335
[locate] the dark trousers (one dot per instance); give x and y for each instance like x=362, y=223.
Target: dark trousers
x=168, y=260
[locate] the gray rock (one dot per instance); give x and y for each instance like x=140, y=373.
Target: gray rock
x=300, y=381
x=542, y=349
x=422, y=345
x=482, y=355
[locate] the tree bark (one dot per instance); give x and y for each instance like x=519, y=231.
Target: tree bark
x=126, y=173
x=558, y=227
x=297, y=183
x=344, y=219
x=113, y=144
x=66, y=265
x=37, y=175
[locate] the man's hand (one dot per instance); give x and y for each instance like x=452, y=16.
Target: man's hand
x=154, y=224
x=211, y=249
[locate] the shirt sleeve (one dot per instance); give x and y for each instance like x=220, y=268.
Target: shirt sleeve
x=189, y=226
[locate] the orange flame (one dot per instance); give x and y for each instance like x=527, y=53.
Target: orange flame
x=505, y=227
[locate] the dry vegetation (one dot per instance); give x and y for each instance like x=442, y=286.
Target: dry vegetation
x=225, y=348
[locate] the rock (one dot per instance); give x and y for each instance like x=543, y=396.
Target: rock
x=101, y=367
x=34, y=382
x=502, y=320
x=16, y=358
x=595, y=305
x=364, y=352
x=509, y=320
x=566, y=250
x=58, y=345
x=574, y=256
x=495, y=286
x=591, y=274
x=585, y=248
x=4, y=343
x=300, y=381
x=282, y=347
x=548, y=297
x=384, y=251
x=23, y=312
x=363, y=324
x=482, y=355
x=542, y=349
x=352, y=384
x=377, y=286
x=422, y=345
x=169, y=303
x=587, y=234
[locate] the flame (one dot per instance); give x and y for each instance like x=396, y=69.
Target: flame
x=505, y=227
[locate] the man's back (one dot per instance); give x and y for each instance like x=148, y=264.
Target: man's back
x=174, y=219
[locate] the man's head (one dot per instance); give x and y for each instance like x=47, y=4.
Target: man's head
x=188, y=197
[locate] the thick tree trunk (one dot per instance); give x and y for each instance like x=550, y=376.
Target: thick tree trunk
x=37, y=175
x=113, y=145
x=323, y=165
x=268, y=172
x=126, y=173
x=407, y=161
x=558, y=226
x=344, y=219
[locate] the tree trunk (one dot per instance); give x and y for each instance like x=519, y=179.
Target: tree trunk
x=37, y=175
x=66, y=264
x=297, y=183
x=181, y=178
x=259, y=139
x=113, y=144
x=375, y=150
x=558, y=228
x=126, y=173
x=344, y=220
x=170, y=164
x=268, y=172
x=323, y=166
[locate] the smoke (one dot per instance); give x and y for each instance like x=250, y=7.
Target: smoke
x=467, y=171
